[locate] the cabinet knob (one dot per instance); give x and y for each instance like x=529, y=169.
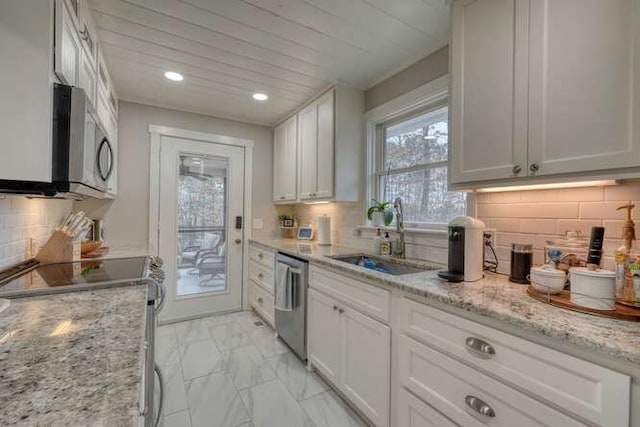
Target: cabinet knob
x=281, y=197
x=260, y=301
x=260, y=276
x=341, y=310
x=479, y=406
x=517, y=169
x=479, y=347
x=335, y=307
x=260, y=256
x=533, y=167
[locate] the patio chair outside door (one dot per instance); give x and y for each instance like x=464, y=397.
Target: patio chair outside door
x=201, y=193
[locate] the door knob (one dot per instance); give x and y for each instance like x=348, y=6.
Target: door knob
x=517, y=169
x=533, y=167
x=238, y=241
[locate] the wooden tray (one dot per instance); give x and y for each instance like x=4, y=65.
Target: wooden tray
x=621, y=311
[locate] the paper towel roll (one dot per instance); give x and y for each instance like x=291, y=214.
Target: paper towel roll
x=324, y=230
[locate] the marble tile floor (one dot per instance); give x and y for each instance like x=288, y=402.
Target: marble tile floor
x=227, y=371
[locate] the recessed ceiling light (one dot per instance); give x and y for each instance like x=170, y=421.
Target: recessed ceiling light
x=260, y=97
x=172, y=75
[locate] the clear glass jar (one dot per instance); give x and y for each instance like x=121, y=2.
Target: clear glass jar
x=568, y=251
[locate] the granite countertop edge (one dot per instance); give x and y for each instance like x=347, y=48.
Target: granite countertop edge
x=612, y=337
x=100, y=357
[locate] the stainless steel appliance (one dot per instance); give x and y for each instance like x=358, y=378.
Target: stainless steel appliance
x=31, y=278
x=82, y=156
x=291, y=319
x=466, y=250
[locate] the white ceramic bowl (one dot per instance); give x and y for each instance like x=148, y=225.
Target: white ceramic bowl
x=593, y=288
x=547, y=280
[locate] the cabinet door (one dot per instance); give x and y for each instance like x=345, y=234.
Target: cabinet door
x=323, y=340
x=325, y=146
x=413, y=412
x=488, y=90
x=87, y=76
x=284, y=161
x=366, y=364
x=308, y=145
x=584, y=92
x=67, y=46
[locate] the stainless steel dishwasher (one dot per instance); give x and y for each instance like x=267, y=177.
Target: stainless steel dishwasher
x=291, y=318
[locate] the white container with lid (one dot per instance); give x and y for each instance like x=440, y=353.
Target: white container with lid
x=593, y=288
x=547, y=280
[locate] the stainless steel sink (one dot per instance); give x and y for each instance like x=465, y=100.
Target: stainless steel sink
x=382, y=265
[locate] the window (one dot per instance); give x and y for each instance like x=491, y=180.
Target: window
x=411, y=163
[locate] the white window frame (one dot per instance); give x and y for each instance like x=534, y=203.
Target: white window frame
x=431, y=95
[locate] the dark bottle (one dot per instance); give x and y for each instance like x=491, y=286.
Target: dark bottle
x=595, y=246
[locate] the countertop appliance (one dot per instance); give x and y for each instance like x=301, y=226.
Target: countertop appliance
x=466, y=250
x=31, y=278
x=82, y=156
x=290, y=309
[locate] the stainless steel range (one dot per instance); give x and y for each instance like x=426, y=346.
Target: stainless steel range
x=31, y=278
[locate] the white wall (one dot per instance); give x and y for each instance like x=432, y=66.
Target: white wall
x=21, y=219
x=127, y=217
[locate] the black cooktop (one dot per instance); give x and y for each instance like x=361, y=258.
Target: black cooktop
x=31, y=278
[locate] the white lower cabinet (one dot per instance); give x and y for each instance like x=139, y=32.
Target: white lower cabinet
x=413, y=412
x=261, y=284
x=262, y=302
x=467, y=396
x=352, y=351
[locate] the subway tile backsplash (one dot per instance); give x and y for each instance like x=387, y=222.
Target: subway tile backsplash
x=22, y=218
x=537, y=216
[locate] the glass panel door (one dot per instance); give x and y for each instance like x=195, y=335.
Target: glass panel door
x=201, y=193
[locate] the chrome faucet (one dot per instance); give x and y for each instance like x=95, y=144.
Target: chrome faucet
x=399, y=249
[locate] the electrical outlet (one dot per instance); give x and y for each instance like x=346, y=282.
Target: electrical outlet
x=490, y=237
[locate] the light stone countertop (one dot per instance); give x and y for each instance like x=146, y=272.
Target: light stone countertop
x=73, y=359
x=494, y=297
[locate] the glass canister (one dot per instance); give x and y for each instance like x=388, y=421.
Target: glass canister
x=521, y=256
x=568, y=251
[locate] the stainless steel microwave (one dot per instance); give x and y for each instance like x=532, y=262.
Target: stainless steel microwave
x=83, y=158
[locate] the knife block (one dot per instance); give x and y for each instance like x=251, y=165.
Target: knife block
x=59, y=248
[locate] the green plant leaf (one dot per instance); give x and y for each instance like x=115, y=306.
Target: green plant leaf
x=388, y=217
x=370, y=212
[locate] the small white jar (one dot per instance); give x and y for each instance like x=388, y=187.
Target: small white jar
x=593, y=288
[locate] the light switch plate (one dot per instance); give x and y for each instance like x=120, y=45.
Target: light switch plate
x=258, y=223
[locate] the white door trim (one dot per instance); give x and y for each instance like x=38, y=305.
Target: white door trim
x=156, y=132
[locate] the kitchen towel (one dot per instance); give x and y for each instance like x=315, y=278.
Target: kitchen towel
x=284, y=300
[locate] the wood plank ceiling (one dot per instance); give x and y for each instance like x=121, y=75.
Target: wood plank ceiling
x=288, y=49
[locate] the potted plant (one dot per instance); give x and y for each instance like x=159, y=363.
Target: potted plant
x=285, y=220
x=380, y=213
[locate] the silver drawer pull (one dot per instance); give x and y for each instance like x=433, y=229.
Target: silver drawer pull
x=260, y=276
x=260, y=256
x=479, y=347
x=479, y=406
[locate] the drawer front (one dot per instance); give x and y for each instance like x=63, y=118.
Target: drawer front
x=467, y=396
x=262, y=302
x=261, y=275
x=413, y=412
x=583, y=388
x=262, y=256
x=365, y=298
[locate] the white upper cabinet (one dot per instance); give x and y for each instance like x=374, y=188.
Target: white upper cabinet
x=316, y=148
x=329, y=141
x=26, y=38
x=67, y=45
x=284, y=160
x=543, y=88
